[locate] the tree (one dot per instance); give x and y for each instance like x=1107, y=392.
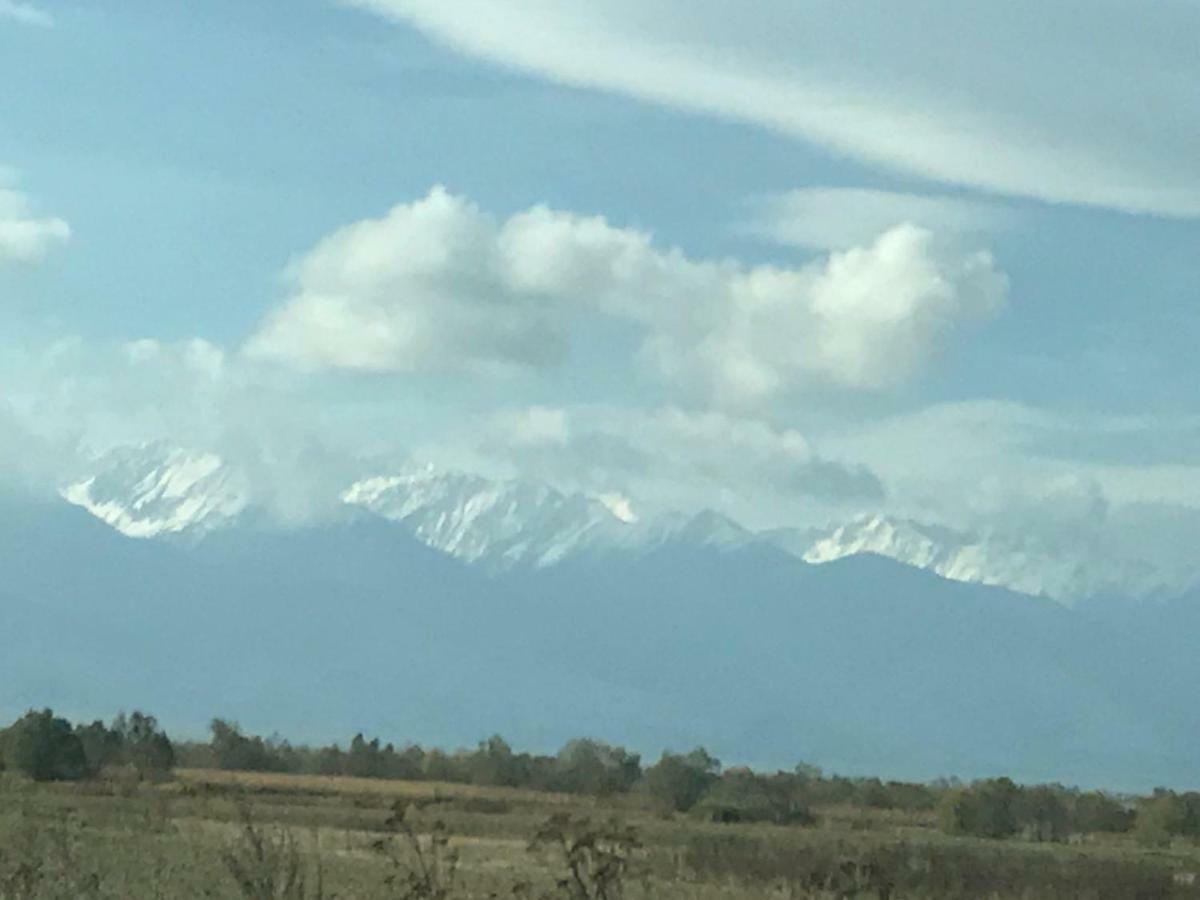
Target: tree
x=408, y=763
x=364, y=758
x=441, y=766
x=586, y=766
x=101, y=745
x=45, y=748
x=143, y=745
x=741, y=795
x=330, y=761
x=494, y=764
x=985, y=809
x=677, y=782
x=1158, y=819
x=1096, y=811
x=1044, y=814
x=234, y=750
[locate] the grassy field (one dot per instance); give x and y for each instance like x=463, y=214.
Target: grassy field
x=238, y=835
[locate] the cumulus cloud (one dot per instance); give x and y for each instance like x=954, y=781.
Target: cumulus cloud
x=978, y=461
x=829, y=218
x=999, y=470
x=25, y=14
x=866, y=318
x=1002, y=471
x=29, y=462
x=1019, y=98
x=79, y=394
x=438, y=284
x=24, y=236
x=65, y=404
x=674, y=459
x=425, y=287
x=191, y=357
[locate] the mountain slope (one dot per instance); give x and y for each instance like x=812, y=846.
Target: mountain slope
x=156, y=490
x=497, y=523
x=161, y=491
x=1019, y=563
x=861, y=665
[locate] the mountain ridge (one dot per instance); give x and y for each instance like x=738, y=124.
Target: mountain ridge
x=160, y=491
x=862, y=665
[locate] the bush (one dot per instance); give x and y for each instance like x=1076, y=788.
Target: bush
x=1096, y=811
x=592, y=767
x=267, y=864
x=1042, y=813
x=741, y=795
x=1166, y=815
x=677, y=782
x=234, y=750
x=966, y=871
x=596, y=857
x=986, y=809
x=142, y=745
x=44, y=748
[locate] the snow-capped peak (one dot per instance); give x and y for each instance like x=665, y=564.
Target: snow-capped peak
x=155, y=489
x=498, y=523
x=924, y=546
x=620, y=506
x=1018, y=562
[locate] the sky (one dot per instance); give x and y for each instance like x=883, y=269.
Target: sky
x=795, y=262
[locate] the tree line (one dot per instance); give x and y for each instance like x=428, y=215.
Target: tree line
x=43, y=746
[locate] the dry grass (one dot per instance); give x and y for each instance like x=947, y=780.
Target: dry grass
x=170, y=841
x=340, y=785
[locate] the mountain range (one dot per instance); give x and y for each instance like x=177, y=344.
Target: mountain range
x=158, y=490
x=431, y=610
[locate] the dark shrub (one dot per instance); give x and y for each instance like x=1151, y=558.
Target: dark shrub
x=45, y=748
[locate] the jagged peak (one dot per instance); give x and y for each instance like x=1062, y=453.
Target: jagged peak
x=156, y=488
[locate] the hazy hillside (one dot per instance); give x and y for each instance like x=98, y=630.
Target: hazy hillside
x=161, y=491
x=861, y=665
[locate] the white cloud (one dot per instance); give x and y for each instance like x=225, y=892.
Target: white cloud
x=28, y=461
x=667, y=459
x=534, y=426
x=1075, y=487
x=973, y=460
x=195, y=356
x=64, y=403
x=438, y=284
x=424, y=287
x=867, y=318
x=1024, y=98
x=25, y=13
x=829, y=218
x=25, y=237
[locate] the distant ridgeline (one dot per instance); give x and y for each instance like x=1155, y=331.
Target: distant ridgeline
x=44, y=747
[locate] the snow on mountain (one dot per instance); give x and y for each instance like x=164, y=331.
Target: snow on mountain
x=707, y=528
x=1016, y=563
x=496, y=523
x=155, y=490
x=502, y=524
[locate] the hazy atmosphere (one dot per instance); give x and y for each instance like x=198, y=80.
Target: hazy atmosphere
x=797, y=264
x=607, y=450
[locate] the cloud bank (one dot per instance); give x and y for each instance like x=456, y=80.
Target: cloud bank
x=1025, y=98
x=25, y=14
x=666, y=457
x=828, y=218
x=439, y=284
x=24, y=236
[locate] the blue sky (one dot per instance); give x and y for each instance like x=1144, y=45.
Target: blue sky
x=1033, y=331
